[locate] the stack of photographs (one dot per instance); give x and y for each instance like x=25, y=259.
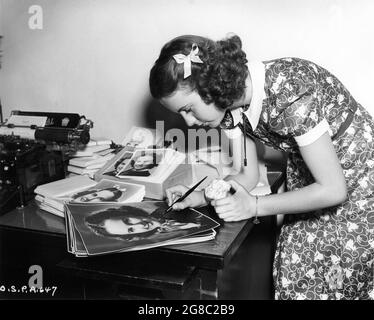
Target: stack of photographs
x=54, y=196
x=97, y=229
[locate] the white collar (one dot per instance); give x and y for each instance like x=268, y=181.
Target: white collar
x=257, y=73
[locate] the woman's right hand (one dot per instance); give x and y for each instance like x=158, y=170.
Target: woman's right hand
x=195, y=199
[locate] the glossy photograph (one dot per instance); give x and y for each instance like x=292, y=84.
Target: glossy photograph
x=136, y=226
x=142, y=163
x=106, y=191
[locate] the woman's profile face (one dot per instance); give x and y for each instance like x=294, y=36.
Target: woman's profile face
x=143, y=161
x=193, y=109
x=96, y=196
x=126, y=226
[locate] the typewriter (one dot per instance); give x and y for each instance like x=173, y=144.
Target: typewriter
x=34, y=149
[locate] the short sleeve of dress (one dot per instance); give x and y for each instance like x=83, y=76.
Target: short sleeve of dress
x=301, y=116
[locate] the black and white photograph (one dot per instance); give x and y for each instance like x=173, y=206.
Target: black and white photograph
x=121, y=161
x=106, y=229
x=97, y=94
x=108, y=192
x=142, y=163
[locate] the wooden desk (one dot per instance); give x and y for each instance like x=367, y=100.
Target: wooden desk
x=209, y=270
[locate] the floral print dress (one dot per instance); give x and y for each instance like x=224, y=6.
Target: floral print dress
x=329, y=253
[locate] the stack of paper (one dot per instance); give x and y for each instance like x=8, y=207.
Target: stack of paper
x=89, y=159
x=54, y=196
x=96, y=229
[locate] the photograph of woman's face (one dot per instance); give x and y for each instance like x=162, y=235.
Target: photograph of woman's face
x=97, y=196
x=143, y=162
x=126, y=227
x=138, y=163
x=121, y=165
x=129, y=225
x=123, y=162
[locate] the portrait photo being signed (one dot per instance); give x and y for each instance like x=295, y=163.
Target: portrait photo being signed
x=129, y=224
x=107, y=228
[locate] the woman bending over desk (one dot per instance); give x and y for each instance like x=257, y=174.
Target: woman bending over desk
x=326, y=246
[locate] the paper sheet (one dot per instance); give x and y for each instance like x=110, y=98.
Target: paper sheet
x=215, y=165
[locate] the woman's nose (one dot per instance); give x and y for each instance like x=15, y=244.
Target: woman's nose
x=189, y=119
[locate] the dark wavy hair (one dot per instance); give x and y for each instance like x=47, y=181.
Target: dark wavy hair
x=220, y=79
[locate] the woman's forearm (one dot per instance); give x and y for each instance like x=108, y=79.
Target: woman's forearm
x=309, y=198
x=246, y=176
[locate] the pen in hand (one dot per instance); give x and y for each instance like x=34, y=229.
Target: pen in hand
x=185, y=195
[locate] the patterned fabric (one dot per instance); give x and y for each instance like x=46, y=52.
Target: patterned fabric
x=227, y=121
x=326, y=254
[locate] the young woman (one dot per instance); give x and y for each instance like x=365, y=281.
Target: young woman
x=326, y=246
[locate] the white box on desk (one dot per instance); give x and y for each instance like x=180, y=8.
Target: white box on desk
x=172, y=169
x=156, y=190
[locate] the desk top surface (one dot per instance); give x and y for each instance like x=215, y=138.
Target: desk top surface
x=217, y=252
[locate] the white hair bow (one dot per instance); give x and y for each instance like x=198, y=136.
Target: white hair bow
x=186, y=60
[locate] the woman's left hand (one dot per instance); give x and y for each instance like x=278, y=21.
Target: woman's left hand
x=236, y=207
